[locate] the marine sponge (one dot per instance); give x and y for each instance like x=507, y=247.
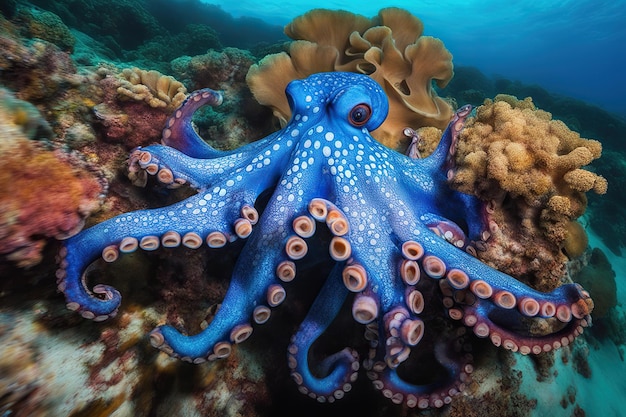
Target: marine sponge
x=389, y=48
x=530, y=169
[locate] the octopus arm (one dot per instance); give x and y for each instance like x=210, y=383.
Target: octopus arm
x=255, y=287
x=180, y=133
x=504, y=309
x=338, y=371
x=199, y=219
x=437, y=393
x=174, y=168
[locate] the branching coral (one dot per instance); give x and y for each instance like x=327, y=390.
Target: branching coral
x=389, y=48
x=530, y=168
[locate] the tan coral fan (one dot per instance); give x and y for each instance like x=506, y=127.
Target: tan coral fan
x=389, y=48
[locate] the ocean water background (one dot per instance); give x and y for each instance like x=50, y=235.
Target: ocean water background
x=571, y=47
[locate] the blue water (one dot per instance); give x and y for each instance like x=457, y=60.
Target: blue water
x=571, y=47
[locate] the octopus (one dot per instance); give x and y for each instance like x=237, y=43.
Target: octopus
x=398, y=241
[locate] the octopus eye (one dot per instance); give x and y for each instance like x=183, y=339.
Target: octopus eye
x=360, y=114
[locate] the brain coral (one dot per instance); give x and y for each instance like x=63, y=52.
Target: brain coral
x=529, y=168
x=389, y=48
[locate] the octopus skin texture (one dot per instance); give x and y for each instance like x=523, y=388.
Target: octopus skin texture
x=399, y=239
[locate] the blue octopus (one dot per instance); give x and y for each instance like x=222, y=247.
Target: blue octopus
x=397, y=236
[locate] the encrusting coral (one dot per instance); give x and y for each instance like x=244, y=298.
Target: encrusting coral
x=529, y=167
x=42, y=24
x=389, y=48
x=36, y=69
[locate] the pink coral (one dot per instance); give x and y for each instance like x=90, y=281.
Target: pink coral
x=42, y=198
x=42, y=193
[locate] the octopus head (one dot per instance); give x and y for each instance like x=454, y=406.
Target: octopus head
x=338, y=97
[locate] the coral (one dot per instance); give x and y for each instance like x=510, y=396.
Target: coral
x=576, y=240
x=42, y=193
x=24, y=116
x=389, y=48
x=46, y=25
x=528, y=167
x=22, y=386
x=154, y=88
x=37, y=70
x=134, y=104
x=193, y=40
x=119, y=24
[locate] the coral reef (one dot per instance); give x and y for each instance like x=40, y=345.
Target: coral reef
x=240, y=119
x=36, y=70
x=69, y=110
x=389, y=48
x=528, y=167
x=22, y=388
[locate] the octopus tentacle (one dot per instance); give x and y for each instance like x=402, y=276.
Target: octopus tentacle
x=256, y=286
x=172, y=166
x=337, y=371
x=145, y=229
x=179, y=132
x=552, y=320
x=198, y=219
x=502, y=308
x=437, y=393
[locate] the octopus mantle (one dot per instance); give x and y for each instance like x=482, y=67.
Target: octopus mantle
x=397, y=235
